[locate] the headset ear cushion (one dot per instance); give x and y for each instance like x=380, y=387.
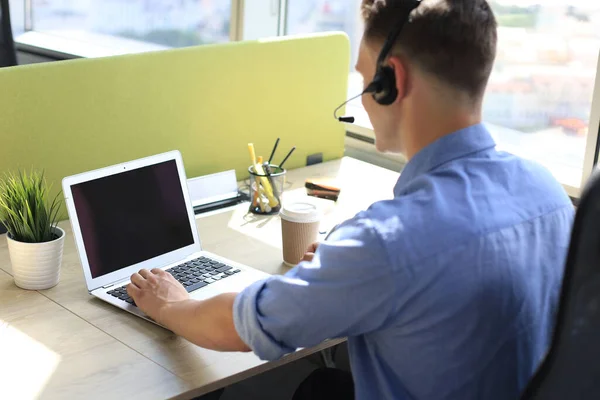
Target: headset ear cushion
x=385, y=84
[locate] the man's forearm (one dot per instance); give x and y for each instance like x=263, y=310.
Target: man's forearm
x=207, y=323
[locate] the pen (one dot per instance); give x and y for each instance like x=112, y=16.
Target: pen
x=273, y=152
x=267, y=169
x=269, y=173
x=286, y=158
x=262, y=178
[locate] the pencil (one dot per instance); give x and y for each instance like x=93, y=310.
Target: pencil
x=274, y=150
x=286, y=158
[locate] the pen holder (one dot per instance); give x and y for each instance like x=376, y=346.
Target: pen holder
x=266, y=190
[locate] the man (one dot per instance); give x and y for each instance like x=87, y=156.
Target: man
x=445, y=292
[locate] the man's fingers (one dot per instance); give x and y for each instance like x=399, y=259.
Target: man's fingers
x=161, y=273
x=308, y=257
x=133, y=291
x=312, y=248
x=310, y=252
x=148, y=276
x=145, y=273
x=138, y=281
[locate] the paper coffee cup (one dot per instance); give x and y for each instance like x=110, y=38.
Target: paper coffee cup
x=300, y=223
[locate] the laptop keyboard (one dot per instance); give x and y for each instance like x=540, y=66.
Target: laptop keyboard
x=192, y=275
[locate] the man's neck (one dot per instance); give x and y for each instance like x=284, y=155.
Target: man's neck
x=434, y=120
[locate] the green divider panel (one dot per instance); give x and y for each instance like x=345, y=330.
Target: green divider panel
x=208, y=102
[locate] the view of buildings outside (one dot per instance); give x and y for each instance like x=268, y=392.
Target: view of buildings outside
x=538, y=99
x=174, y=23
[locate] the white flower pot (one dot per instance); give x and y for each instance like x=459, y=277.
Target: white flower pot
x=36, y=266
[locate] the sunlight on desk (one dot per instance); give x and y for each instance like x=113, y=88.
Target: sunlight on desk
x=27, y=365
x=267, y=228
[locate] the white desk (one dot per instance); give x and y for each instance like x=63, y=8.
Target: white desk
x=63, y=343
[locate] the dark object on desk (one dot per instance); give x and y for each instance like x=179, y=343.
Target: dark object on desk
x=322, y=188
x=8, y=54
x=314, y=159
x=217, y=205
x=571, y=369
x=2, y=229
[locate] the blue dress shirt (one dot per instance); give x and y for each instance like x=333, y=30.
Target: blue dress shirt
x=447, y=291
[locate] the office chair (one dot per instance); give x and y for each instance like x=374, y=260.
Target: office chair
x=8, y=54
x=571, y=368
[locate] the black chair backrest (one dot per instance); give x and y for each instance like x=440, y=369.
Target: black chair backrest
x=8, y=55
x=571, y=368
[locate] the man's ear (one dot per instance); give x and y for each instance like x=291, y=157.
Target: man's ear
x=401, y=75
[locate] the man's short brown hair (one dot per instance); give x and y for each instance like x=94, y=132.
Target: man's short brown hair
x=454, y=40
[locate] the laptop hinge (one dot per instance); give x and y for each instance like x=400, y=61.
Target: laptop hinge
x=107, y=286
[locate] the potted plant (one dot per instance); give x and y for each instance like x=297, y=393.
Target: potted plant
x=35, y=242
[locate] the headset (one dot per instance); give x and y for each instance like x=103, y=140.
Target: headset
x=383, y=86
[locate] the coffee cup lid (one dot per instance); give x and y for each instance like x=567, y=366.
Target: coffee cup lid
x=301, y=212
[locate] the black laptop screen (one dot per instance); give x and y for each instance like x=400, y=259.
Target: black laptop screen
x=131, y=217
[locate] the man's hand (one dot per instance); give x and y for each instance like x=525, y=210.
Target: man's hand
x=310, y=252
x=155, y=291
x=208, y=323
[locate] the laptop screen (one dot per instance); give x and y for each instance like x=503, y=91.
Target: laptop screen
x=132, y=217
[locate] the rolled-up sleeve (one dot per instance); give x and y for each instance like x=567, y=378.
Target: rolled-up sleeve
x=345, y=291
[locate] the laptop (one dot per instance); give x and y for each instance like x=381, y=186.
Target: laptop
x=137, y=215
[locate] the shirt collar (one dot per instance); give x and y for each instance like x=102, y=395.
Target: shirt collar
x=448, y=148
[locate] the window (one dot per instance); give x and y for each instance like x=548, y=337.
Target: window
x=326, y=15
x=127, y=25
x=539, y=97
x=336, y=15
x=540, y=94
